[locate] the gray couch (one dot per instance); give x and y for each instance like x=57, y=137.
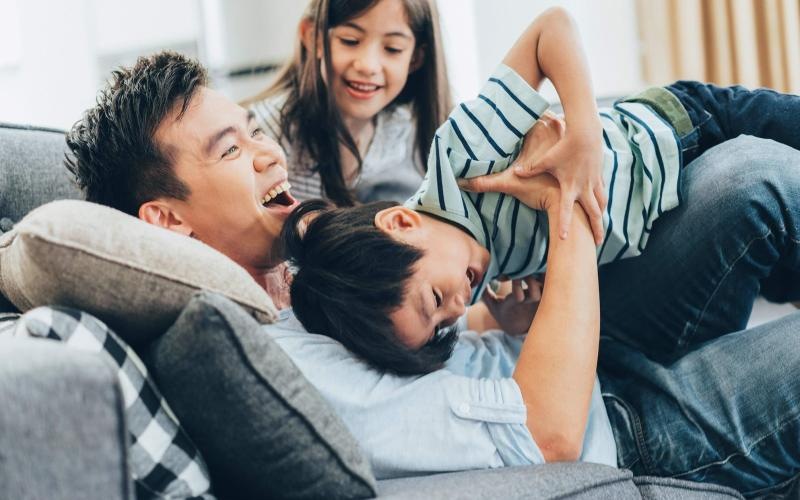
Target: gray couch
x=63, y=428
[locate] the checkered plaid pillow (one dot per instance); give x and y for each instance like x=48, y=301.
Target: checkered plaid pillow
x=164, y=462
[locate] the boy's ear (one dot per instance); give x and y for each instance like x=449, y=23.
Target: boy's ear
x=162, y=214
x=417, y=59
x=397, y=219
x=306, y=33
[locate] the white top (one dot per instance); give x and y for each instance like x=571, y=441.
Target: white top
x=391, y=167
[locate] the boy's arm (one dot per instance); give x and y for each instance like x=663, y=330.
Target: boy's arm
x=550, y=48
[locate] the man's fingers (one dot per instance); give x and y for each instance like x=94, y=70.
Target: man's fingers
x=592, y=209
x=600, y=195
x=527, y=170
x=516, y=289
x=534, y=289
x=484, y=183
x=565, y=219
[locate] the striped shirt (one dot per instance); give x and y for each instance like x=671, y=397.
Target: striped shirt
x=641, y=170
x=391, y=168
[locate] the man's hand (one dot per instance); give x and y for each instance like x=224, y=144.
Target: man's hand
x=515, y=311
x=576, y=161
x=539, y=193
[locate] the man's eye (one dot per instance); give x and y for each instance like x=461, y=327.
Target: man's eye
x=438, y=298
x=230, y=151
x=258, y=131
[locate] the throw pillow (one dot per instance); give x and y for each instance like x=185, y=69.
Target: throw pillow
x=133, y=276
x=263, y=429
x=163, y=460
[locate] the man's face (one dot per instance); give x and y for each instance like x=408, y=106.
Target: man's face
x=231, y=168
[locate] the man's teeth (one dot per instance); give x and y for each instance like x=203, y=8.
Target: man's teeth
x=280, y=188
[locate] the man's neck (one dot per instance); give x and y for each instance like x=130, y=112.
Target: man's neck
x=276, y=281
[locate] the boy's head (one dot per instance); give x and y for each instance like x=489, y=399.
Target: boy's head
x=384, y=280
x=162, y=146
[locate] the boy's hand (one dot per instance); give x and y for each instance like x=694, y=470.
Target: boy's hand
x=576, y=161
x=515, y=311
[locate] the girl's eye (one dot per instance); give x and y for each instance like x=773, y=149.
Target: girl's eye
x=438, y=298
x=393, y=50
x=349, y=41
x=230, y=151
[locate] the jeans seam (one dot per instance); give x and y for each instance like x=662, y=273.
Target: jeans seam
x=689, y=332
x=791, y=420
x=638, y=434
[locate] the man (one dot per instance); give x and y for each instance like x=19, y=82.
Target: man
x=163, y=146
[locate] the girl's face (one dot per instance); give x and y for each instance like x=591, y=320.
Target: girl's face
x=371, y=58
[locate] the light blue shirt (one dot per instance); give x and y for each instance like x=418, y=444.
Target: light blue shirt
x=469, y=415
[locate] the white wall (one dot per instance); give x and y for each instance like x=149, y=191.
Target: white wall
x=56, y=53
x=478, y=33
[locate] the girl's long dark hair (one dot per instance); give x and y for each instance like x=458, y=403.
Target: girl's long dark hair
x=310, y=117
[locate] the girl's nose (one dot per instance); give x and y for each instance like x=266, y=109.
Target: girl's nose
x=367, y=62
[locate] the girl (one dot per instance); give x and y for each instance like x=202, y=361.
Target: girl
x=357, y=106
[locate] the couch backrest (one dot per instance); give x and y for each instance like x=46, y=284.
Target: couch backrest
x=32, y=173
x=32, y=170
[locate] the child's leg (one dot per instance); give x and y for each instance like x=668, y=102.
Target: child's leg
x=723, y=113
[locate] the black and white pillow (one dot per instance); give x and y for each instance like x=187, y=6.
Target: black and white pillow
x=164, y=462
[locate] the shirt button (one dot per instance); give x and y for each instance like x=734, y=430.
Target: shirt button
x=464, y=408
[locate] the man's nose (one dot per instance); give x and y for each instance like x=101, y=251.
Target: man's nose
x=267, y=155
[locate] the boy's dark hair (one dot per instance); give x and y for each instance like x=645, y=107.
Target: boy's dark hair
x=113, y=154
x=310, y=117
x=350, y=276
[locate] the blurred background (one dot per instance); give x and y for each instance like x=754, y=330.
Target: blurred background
x=55, y=55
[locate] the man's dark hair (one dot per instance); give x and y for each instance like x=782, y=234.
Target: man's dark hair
x=350, y=276
x=113, y=154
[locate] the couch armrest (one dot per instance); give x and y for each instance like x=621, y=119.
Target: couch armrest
x=62, y=427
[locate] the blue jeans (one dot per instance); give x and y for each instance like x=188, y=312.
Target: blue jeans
x=722, y=113
x=691, y=392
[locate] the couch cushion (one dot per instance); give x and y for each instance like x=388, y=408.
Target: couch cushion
x=131, y=275
x=32, y=171
x=62, y=433
x=556, y=480
x=263, y=429
x=163, y=461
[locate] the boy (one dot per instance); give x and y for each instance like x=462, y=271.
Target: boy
x=385, y=279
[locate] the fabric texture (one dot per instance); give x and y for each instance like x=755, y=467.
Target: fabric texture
x=62, y=431
x=391, y=168
x=469, y=415
x=133, y=276
x=163, y=461
x=31, y=171
x=263, y=429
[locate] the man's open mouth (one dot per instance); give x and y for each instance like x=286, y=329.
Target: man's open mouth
x=279, y=195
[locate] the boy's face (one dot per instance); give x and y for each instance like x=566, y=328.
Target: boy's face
x=440, y=288
x=229, y=166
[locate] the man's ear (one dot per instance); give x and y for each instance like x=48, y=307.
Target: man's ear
x=306, y=33
x=417, y=59
x=397, y=219
x=161, y=213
